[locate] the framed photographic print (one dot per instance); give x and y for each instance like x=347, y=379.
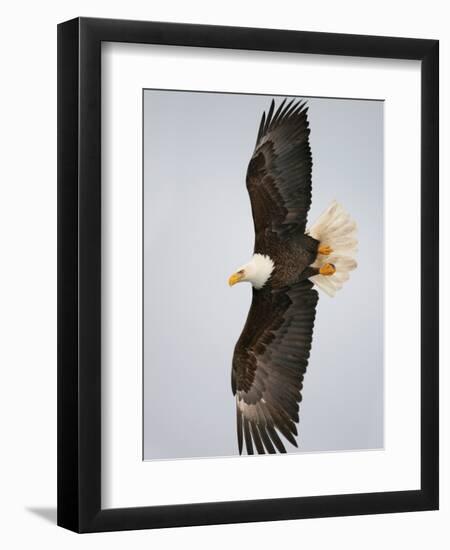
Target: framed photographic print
x=248, y=275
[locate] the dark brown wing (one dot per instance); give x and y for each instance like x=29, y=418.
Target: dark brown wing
x=269, y=362
x=279, y=172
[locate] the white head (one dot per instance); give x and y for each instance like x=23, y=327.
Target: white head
x=257, y=271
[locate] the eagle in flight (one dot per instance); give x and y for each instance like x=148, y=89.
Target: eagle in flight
x=288, y=263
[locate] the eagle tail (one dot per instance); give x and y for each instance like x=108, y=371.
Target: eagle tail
x=336, y=230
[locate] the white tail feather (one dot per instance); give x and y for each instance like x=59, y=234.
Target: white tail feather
x=335, y=229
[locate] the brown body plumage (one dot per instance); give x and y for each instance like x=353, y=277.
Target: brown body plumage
x=291, y=258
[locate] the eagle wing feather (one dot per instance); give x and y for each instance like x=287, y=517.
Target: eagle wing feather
x=279, y=173
x=269, y=363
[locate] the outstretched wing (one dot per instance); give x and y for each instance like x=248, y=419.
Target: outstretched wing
x=269, y=362
x=279, y=172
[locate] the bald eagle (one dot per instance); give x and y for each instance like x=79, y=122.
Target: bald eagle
x=288, y=263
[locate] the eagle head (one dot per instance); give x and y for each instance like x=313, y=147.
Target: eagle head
x=257, y=271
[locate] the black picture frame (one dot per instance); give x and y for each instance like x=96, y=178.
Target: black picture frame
x=79, y=274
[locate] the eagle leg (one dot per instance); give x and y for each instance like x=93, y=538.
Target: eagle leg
x=325, y=250
x=327, y=269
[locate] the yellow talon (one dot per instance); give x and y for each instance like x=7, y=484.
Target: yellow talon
x=327, y=269
x=325, y=250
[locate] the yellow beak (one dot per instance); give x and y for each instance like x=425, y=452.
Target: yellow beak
x=235, y=278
